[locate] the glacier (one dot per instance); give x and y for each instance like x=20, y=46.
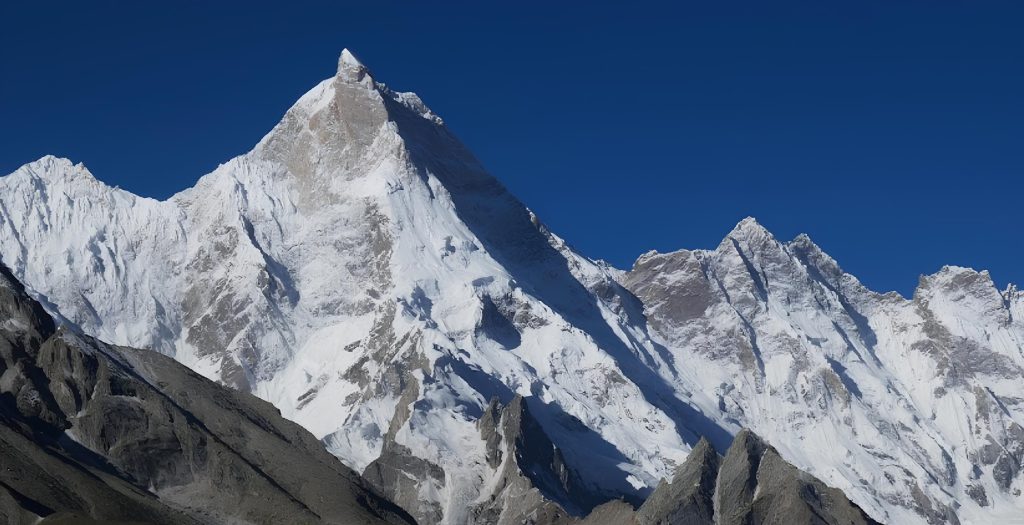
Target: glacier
x=361, y=270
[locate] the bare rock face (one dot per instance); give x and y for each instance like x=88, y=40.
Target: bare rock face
x=531, y=482
x=95, y=433
x=755, y=485
x=399, y=474
x=788, y=495
x=689, y=498
x=752, y=484
x=737, y=480
x=534, y=484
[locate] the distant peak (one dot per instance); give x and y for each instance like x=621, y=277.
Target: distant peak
x=749, y=229
x=48, y=161
x=804, y=239
x=50, y=167
x=951, y=271
x=952, y=268
x=966, y=271
x=749, y=223
x=806, y=247
x=645, y=256
x=958, y=279
x=351, y=70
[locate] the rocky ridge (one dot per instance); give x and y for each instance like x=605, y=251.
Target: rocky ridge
x=92, y=433
x=751, y=484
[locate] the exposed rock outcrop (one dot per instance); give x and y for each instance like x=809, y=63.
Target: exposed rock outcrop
x=752, y=484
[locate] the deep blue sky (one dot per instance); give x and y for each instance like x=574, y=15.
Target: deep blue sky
x=892, y=132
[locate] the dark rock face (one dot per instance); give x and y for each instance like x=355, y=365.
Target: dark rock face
x=91, y=433
x=690, y=497
x=536, y=485
x=532, y=484
x=536, y=456
x=788, y=495
x=737, y=479
x=399, y=474
x=751, y=485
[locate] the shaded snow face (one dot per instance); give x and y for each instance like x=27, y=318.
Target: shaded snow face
x=360, y=269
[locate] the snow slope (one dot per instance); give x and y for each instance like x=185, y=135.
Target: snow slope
x=361, y=270
x=912, y=407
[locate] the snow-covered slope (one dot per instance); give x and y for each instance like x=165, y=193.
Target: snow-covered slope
x=360, y=269
x=912, y=407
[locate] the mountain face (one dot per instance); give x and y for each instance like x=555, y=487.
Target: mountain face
x=360, y=270
x=91, y=433
x=914, y=405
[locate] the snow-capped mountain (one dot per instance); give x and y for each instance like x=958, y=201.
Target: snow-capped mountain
x=912, y=407
x=361, y=270
x=751, y=484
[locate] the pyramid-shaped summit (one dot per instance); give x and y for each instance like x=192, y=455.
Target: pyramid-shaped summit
x=362, y=271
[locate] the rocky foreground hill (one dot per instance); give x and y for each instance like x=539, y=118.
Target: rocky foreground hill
x=94, y=433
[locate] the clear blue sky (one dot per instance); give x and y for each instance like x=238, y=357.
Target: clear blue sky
x=890, y=131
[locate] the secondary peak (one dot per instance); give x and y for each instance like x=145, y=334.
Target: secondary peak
x=748, y=228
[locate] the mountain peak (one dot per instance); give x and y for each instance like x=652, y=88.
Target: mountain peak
x=51, y=168
x=807, y=250
x=749, y=224
x=958, y=279
x=49, y=162
x=749, y=230
x=351, y=70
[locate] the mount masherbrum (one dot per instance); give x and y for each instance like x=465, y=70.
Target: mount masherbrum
x=360, y=270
